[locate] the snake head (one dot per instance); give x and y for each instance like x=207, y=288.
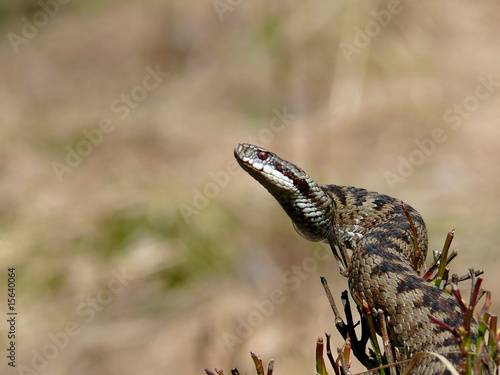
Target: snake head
x=278, y=176
x=302, y=199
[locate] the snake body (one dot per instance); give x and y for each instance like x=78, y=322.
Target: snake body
x=374, y=230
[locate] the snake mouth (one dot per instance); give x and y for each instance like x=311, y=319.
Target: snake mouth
x=272, y=171
x=251, y=156
x=243, y=154
x=265, y=166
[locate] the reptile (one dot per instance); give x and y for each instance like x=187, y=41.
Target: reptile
x=375, y=246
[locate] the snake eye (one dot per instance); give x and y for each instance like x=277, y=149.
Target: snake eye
x=263, y=155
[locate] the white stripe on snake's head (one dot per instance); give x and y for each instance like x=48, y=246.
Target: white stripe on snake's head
x=270, y=170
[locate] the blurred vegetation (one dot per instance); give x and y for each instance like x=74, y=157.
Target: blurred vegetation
x=197, y=280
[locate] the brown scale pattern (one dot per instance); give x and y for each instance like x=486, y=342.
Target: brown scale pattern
x=382, y=272
x=374, y=232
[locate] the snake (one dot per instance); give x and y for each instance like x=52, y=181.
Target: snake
x=376, y=247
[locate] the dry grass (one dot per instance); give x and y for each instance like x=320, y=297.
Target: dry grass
x=119, y=208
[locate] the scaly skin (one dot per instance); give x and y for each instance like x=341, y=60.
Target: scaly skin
x=372, y=239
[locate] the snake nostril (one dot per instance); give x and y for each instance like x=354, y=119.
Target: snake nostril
x=263, y=155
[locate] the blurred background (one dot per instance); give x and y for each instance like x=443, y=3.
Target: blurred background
x=139, y=245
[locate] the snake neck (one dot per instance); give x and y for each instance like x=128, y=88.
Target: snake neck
x=304, y=201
